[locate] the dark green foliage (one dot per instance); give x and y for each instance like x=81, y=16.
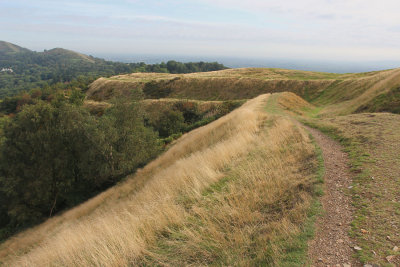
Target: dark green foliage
x=131, y=144
x=190, y=111
x=15, y=104
x=190, y=67
x=47, y=152
x=155, y=89
x=184, y=116
x=38, y=69
x=170, y=122
x=54, y=155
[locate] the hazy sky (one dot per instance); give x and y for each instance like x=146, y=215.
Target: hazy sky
x=297, y=29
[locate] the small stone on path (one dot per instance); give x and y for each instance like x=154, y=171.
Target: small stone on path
x=390, y=258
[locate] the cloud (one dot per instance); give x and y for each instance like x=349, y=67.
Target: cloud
x=352, y=29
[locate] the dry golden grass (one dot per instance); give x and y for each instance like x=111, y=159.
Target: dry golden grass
x=242, y=220
x=340, y=93
x=270, y=161
x=349, y=96
x=218, y=85
x=293, y=104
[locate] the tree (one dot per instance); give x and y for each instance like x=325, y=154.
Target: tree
x=48, y=153
x=131, y=144
x=170, y=122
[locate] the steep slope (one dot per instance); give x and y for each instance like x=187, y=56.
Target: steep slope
x=244, y=181
x=341, y=93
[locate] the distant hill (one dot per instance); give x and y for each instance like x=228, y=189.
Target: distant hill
x=6, y=47
x=61, y=52
x=32, y=69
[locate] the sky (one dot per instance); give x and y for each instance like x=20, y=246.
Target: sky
x=314, y=30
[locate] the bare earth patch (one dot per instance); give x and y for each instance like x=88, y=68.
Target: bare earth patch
x=332, y=245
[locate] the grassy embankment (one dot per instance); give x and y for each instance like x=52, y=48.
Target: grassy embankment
x=372, y=141
x=235, y=192
x=341, y=94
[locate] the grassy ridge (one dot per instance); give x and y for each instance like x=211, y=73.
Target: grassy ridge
x=341, y=93
x=236, y=191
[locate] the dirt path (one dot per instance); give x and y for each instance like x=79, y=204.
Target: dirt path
x=332, y=245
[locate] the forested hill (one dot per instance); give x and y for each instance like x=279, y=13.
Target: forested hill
x=22, y=69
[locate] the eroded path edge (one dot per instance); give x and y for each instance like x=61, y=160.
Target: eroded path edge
x=332, y=245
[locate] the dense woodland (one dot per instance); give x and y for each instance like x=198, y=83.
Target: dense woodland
x=37, y=69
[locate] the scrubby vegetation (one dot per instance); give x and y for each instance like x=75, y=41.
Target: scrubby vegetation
x=175, y=116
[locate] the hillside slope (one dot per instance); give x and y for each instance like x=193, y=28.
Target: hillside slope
x=343, y=93
x=61, y=52
x=6, y=47
x=244, y=181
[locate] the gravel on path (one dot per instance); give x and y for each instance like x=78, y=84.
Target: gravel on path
x=332, y=245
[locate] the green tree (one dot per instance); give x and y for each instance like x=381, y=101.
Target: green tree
x=48, y=153
x=131, y=144
x=170, y=122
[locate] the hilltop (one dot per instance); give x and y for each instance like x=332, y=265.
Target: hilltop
x=6, y=47
x=61, y=52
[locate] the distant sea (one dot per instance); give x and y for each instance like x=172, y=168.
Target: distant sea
x=232, y=62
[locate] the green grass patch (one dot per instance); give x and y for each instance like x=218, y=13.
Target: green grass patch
x=295, y=249
x=272, y=105
x=313, y=112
